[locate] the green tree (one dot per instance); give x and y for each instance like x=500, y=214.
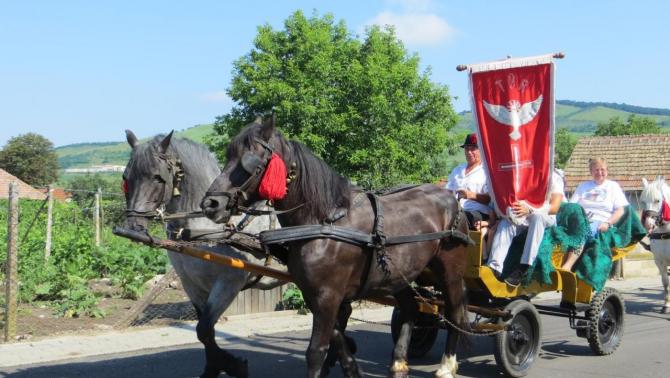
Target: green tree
x=30, y=157
x=634, y=126
x=361, y=105
x=564, y=144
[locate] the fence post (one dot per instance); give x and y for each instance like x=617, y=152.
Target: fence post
x=98, y=194
x=50, y=205
x=11, y=273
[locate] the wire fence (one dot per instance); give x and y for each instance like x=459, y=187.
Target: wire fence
x=72, y=273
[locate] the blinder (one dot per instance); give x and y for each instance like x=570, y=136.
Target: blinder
x=255, y=166
x=251, y=162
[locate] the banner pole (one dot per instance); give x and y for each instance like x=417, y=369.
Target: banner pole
x=463, y=67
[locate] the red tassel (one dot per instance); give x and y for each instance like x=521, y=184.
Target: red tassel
x=124, y=186
x=665, y=211
x=273, y=185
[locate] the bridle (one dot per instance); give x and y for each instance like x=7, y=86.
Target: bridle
x=658, y=221
x=255, y=166
x=175, y=172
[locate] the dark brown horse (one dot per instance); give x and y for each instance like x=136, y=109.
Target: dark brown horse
x=330, y=272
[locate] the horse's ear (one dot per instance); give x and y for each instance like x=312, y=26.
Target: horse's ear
x=165, y=143
x=131, y=138
x=645, y=183
x=268, y=128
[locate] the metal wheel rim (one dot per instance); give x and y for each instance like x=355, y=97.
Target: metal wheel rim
x=520, y=341
x=608, y=322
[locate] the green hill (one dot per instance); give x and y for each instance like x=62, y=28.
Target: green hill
x=583, y=117
x=84, y=155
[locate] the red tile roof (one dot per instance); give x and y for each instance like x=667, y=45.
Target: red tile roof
x=25, y=190
x=629, y=158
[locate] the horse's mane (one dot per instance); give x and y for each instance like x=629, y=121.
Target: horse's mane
x=317, y=185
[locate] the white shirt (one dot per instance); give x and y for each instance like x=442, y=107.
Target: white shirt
x=599, y=201
x=474, y=181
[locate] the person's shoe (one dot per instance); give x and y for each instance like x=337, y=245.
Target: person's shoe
x=514, y=279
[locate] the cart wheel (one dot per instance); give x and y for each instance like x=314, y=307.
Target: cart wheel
x=606, y=320
x=423, y=335
x=517, y=348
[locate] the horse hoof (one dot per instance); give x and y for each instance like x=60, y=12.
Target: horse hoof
x=665, y=310
x=399, y=374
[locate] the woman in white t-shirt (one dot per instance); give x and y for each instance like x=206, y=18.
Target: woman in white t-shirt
x=602, y=199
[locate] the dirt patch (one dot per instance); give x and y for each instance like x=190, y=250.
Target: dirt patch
x=39, y=319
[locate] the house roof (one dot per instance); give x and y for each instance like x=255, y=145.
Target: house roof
x=25, y=190
x=629, y=158
x=59, y=194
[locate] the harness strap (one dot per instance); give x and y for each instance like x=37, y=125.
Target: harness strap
x=378, y=228
x=347, y=235
x=660, y=236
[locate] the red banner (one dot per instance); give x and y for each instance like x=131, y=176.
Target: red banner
x=513, y=105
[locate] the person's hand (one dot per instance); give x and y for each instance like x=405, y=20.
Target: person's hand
x=604, y=227
x=466, y=194
x=520, y=209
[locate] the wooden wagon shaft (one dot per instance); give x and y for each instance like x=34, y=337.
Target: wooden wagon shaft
x=202, y=254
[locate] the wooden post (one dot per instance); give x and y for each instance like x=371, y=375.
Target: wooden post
x=50, y=205
x=12, y=256
x=96, y=212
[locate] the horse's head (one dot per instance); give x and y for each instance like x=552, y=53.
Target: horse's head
x=652, y=197
x=150, y=180
x=247, y=160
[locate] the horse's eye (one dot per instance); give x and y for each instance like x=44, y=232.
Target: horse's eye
x=159, y=179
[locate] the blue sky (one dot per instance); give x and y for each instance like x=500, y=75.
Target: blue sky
x=84, y=71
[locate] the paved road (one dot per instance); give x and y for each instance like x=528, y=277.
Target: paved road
x=643, y=353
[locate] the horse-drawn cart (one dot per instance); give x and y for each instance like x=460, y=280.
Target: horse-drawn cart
x=499, y=310
x=507, y=314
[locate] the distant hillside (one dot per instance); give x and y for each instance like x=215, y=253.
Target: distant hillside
x=579, y=117
x=583, y=117
x=82, y=155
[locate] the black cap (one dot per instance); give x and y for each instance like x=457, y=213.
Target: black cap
x=470, y=140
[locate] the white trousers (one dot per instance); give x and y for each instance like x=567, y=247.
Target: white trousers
x=507, y=230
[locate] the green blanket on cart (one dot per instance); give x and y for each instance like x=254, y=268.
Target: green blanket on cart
x=570, y=232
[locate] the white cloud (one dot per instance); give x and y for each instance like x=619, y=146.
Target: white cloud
x=416, y=28
x=218, y=96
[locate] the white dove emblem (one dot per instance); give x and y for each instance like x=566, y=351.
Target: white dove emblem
x=516, y=115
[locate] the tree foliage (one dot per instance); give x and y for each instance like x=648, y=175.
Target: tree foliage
x=361, y=105
x=564, y=144
x=634, y=126
x=30, y=157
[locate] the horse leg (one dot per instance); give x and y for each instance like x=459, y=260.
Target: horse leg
x=454, y=299
x=217, y=359
x=325, y=310
x=408, y=315
x=341, y=345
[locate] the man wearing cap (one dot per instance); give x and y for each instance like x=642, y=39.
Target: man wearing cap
x=468, y=182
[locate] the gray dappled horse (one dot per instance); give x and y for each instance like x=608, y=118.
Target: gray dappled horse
x=653, y=196
x=175, y=173
x=330, y=272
